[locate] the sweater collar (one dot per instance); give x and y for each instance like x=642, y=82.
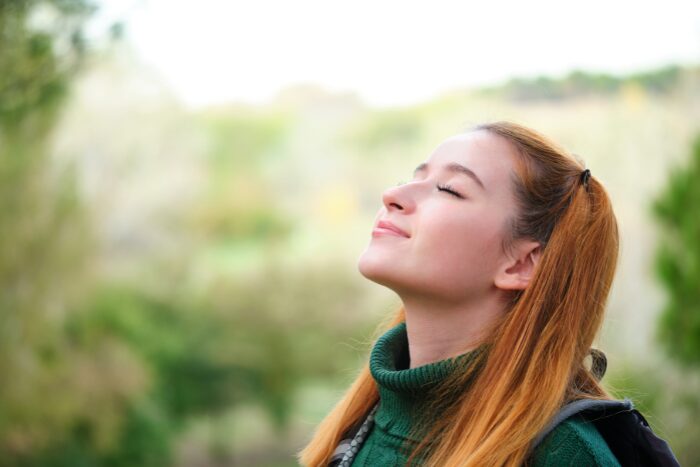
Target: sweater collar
x=403, y=391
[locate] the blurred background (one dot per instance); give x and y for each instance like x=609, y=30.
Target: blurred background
x=185, y=188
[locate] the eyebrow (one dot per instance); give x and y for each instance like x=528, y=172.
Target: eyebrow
x=455, y=168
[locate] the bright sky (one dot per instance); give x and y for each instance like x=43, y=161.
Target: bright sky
x=396, y=52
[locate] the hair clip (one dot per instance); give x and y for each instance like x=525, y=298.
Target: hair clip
x=585, y=175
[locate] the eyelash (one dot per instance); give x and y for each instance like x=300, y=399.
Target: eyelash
x=449, y=189
x=446, y=188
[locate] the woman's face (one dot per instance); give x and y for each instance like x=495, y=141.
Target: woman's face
x=453, y=242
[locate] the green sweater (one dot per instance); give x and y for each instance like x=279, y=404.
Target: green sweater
x=403, y=390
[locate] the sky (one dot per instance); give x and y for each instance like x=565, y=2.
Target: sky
x=394, y=53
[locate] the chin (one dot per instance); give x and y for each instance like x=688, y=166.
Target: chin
x=367, y=265
x=379, y=271
x=372, y=268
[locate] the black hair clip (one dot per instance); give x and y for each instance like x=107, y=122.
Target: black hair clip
x=585, y=175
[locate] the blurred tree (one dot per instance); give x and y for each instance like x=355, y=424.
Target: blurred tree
x=678, y=260
x=677, y=267
x=241, y=138
x=99, y=374
x=44, y=238
x=242, y=341
x=42, y=45
x=381, y=131
x=580, y=83
x=238, y=204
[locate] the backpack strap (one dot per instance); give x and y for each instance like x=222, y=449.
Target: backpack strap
x=572, y=408
x=624, y=429
x=633, y=442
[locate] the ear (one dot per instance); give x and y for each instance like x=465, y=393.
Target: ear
x=519, y=267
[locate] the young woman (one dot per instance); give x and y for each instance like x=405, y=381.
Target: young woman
x=502, y=249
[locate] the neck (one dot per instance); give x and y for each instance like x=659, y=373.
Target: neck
x=438, y=330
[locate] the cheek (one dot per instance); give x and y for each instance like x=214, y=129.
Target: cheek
x=464, y=246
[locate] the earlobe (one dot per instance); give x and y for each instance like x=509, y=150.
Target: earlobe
x=518, y=271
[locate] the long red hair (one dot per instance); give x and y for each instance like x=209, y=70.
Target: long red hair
x=535, y=361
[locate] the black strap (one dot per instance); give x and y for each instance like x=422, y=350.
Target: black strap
x=624, y=428
x=578, y=406
x=633, y=442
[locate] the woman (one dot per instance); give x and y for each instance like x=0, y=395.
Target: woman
x=502, y=249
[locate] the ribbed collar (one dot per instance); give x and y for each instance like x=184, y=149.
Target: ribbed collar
x=404, y=391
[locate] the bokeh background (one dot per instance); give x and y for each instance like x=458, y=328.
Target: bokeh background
x=185, y=188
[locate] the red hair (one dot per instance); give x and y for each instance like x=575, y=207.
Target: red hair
x=535, y=361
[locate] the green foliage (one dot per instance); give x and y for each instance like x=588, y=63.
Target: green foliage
x=45, y=242
x=37, y=63
x=145, y=440
x=176, y=345
x=277, y=320
x=667, y=397
x=388, y=129
x=580, y=83
x=241, y=210
x=243, y=140
x=100, y=374
x=199, y=364
x=242, y=341
x=238, y=205
x=678, y=260
x=645, y=391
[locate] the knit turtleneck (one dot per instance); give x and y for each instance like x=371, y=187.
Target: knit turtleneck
x=404, y=392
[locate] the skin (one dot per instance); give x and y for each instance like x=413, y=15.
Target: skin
x=452, y=274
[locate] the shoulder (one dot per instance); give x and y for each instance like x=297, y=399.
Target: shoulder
x=575, y=441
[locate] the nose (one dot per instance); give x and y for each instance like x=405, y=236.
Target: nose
x=398, y=198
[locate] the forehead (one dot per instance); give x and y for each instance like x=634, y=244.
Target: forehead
x=490, y=156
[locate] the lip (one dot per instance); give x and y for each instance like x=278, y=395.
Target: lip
x=387, y=228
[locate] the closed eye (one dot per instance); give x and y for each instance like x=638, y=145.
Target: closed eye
x=449, y=189
x=446, y=188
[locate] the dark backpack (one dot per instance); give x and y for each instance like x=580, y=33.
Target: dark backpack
x=624, y=429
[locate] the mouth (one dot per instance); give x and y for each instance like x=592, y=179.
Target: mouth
x=387, y=228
